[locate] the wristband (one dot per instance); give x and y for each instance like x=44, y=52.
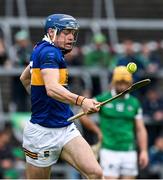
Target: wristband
x=79, y=100
x=82, y=101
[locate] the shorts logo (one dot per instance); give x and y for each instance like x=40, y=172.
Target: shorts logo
x=46, y=154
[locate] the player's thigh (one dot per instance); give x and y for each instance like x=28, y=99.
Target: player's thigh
x=78, y=153
x=33, y=172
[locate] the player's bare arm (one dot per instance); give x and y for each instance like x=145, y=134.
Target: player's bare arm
x=142, y=143
x=57, y=91
x=25, y=78
x=90, y=125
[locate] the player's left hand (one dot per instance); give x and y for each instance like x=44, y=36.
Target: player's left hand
x=143, y=159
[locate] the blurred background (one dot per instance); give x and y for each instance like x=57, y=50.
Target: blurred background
x=112, y=33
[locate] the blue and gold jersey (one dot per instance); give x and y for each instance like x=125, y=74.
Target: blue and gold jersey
x=47, y=111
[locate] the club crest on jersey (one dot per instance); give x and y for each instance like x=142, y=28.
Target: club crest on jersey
x=109, y=105
x=130, y=108
x=120, y=107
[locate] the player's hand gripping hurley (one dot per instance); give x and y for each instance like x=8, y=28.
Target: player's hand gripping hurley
x=133, y=87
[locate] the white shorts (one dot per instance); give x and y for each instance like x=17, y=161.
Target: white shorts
x=43, y=145
x=118, y=163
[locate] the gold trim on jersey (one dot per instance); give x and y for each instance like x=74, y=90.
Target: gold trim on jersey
x=63, y=76
x=36, y=78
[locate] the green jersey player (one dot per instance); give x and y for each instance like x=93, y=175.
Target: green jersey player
x=120, y=120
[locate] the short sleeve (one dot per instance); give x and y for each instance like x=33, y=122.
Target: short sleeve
x=139, y=113
x=48, y=59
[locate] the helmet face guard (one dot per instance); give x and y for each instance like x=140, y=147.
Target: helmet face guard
x=62, y=22
x=73, y=31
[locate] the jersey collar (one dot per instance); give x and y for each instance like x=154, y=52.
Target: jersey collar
x=45, y=38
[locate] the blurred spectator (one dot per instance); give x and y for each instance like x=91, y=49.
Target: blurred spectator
x=21, y=56
x=11, y=155
x=153, y=105
x=6, y=158
x=156, y=157
x=97, y=53
x=4, y=80
x=149, y=58
x=19, y=162
x=4, y=61
x=113, y=59
x=156, y=152
x=77, y=84
x=21, y=49
x=130, y=56
x=159, y=51
x=75, y=57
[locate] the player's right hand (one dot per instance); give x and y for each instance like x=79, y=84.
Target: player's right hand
x=90, y=106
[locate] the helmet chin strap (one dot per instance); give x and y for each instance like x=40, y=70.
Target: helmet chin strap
x=55, y=33
x=51, y=39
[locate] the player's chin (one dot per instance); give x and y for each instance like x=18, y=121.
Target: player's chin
x=119, y=90
x=65, y=51
x=68, y=49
